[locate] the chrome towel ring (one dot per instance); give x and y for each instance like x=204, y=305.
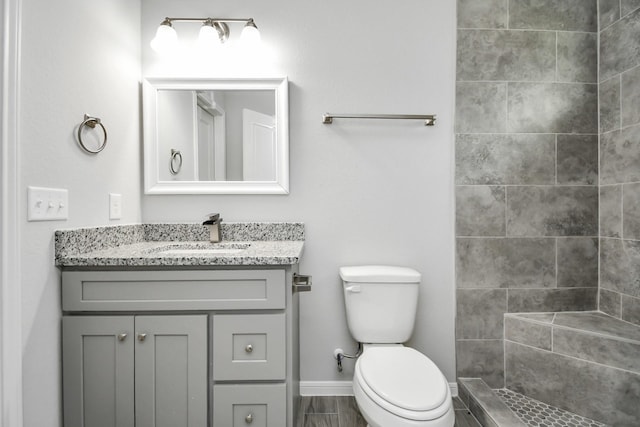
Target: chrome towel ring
x=175, y=161
x=91, y=122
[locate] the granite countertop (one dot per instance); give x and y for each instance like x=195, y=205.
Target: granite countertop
x=179, y=245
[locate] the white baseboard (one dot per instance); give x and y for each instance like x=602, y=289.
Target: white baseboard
x=326, y=388
x=341, y=388
x=454, y=389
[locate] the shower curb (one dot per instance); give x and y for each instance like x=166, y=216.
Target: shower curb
x=485, y=405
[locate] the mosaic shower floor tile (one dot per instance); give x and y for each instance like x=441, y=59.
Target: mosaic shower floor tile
x=538, y=414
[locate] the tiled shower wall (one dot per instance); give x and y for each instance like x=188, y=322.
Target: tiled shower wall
x=526, y=169
x=620, y=159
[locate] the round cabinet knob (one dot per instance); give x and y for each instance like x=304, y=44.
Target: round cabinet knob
x=248, y=348
x=248, y=419
x=122, y=337
x=142, y=337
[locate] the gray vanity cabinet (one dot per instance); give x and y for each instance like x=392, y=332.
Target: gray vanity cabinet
x=135, y=371
x=98, y=371
x=180, y=347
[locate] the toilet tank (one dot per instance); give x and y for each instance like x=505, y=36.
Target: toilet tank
x=380, y=302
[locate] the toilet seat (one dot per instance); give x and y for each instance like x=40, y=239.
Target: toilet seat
x=404, y=382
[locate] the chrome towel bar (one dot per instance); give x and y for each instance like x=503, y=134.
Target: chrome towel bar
x=429, y=119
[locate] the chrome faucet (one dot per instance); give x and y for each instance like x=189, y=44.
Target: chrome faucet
x=214, y=227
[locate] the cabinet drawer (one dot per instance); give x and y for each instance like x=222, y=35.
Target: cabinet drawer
x=255, y=405
x=173, y=290
x=249, y=347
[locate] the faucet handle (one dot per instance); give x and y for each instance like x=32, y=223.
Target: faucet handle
x=214, y=219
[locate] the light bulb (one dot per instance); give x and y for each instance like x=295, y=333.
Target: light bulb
x=250, y=35
x=208, y=37
x=166, y=38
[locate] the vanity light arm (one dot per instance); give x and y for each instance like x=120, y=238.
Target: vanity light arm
x=170, y=20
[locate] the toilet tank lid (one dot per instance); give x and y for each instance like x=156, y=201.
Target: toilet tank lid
x=379, y=274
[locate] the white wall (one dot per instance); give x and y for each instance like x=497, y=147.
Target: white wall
x=76, y=57
x=368, y=192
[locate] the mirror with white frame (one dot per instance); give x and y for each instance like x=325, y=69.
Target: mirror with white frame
x=216, y=136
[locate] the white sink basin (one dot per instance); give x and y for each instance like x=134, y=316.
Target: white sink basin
x=201, y=249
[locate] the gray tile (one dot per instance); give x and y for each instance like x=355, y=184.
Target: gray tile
x=577, y=57
x=631, y=309
x=348, y=413
x=481, y=107
x=482, y=14
x=611, y=211
x=610, y=303
x=577, y=159
x=539, y=414
x=594, y=348
x=536, y=317
x=319, y=405
x=505, y=159
x=481, y=359
x=566, y=299
x=604, y=394
x=609, y=12
x=600, y=324
x=631, y=211
x=552, y=211
x=565, y=15
x=578, y=262
x=620, y=156
x=630, y=90
x=527, y=332
x=629, y=6
x=610, y=104
x=462, y=392
x=620, y=266
x=480, y=313
x=480, y=211
x=552, y=108
x=507, y=55
x=321, y=420
x=464, y=418
x=619, y=46
x=483, y=418
x=505, y=263
x=488, y=408
x=458, y=403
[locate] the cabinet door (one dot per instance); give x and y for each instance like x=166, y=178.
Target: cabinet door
x=171, y=371
x=97, y=371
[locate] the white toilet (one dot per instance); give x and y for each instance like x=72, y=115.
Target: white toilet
x=394, y=385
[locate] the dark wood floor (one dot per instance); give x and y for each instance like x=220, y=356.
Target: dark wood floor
x=342, y=411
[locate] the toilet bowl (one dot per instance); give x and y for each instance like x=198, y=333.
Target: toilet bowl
x=394, y=385
x=397, y=386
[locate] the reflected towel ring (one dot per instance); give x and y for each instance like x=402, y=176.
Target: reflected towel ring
x=92, y=122
x=175, y=161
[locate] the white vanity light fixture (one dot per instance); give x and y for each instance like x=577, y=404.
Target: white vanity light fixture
x=214, y=32
x=166, y=38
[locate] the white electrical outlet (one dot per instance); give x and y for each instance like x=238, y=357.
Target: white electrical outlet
x=47, y=204
x=115, y=206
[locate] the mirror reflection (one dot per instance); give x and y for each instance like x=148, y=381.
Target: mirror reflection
x=209, y=136
x=220, y=135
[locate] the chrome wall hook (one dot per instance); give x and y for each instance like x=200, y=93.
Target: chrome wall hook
x=92, y=122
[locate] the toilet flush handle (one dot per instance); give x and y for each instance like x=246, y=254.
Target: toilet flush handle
x=355, y=289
